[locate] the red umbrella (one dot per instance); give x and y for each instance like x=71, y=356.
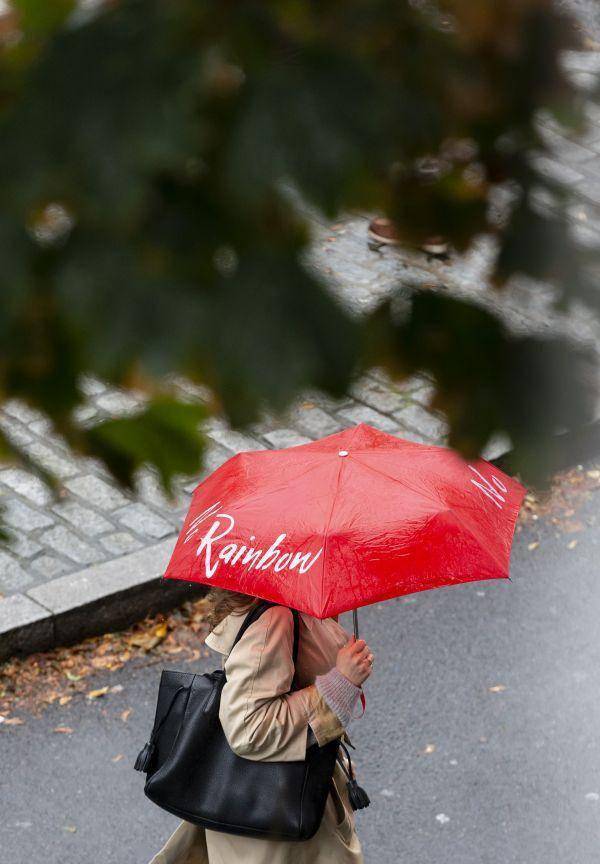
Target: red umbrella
x=357, y=517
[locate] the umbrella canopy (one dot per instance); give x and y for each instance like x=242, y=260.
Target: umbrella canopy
x=352, y=519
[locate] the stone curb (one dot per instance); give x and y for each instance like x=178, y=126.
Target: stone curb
x=103, y=597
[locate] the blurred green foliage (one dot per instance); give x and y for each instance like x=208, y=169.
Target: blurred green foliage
x=147, y=152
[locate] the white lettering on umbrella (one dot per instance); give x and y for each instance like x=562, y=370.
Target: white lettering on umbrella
x=250, y=557
x=493, y=489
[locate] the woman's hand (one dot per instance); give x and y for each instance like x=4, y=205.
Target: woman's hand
x=355, y=661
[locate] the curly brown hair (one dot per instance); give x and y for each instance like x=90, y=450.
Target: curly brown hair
x=222, y=603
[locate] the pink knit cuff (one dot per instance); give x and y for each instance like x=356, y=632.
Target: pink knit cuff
x=340, y=694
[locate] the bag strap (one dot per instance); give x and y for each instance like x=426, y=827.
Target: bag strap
x=254, y=614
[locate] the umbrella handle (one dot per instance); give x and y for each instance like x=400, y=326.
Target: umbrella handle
x=355, y=622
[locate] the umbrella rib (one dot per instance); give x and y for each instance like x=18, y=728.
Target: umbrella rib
x=326, y=533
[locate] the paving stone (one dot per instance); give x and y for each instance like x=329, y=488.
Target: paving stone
x=496, y=446
x=27, y=485
x=359, y=413
x=21, y=545
x=191, y=390
x=19, y=515
x=120, y=543
x=149, y=488
x=84, y=414
x=21, y=411
x=378, y=395
x=587, y=81
x=86, y=521
x=144, y=521
x=14, y=430
x=68, y=544
x=280, y=438
x=215, y=455
x=423, y=395
x=557, y=170
x=97, y=492
x=581, y=61
x=416, y=437
x=119, y=403
x=313, y=421
x=91, y=386
x=234, y=441
x=330, y=404
x=49, y=566
x=416, y=417
x=42, y=427
x=586, y=236
x=12, y=576
x=50, y=460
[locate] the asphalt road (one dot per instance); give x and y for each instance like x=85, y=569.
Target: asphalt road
x=509, y=776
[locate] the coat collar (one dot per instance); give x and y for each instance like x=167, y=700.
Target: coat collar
x=222, y=637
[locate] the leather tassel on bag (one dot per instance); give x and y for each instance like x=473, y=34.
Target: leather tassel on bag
x=356, y=794
x=144, y=757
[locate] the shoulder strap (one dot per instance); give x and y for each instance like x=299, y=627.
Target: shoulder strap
x=254, y=614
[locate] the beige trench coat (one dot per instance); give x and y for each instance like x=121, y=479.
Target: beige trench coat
x=263, y=720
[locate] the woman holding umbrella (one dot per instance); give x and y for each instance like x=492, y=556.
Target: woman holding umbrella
x=353, y=519
x=263, y=720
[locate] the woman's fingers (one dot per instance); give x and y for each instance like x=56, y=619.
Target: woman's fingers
x=364, y=652
x=356, y=644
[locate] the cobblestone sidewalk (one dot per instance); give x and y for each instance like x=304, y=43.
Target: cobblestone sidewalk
x=94, y=521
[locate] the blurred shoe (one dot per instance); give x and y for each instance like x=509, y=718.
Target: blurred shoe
x=435, y=246
x=382, y=232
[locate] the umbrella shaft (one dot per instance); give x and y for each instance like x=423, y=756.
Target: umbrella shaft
x=355, y=622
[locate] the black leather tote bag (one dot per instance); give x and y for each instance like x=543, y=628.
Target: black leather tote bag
x=193, y=773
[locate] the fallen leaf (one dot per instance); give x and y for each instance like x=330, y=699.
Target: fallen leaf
x=442, y=818
x=117, y=758
x=429, y=749
x=64, y=699
x=117, y=688
x=125, y=715
x=64, y=730
x=572, y=544
x=497, y=688
x=72, y=677
x=13, y=721
x=102, y=662
x=70, y=828
x=594, y=474
x=97, y=694
x=149, y=640
x=533, y=545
